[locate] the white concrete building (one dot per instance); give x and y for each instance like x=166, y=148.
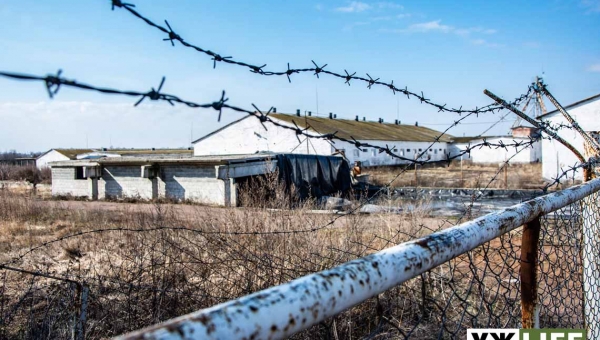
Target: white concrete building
x=556, y=157
x=248, y=136
x=208, y=180
x=56, y=155
x=493, y=155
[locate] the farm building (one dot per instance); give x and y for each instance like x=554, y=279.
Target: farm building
x=56, y=155
x=491, y=155
x=208, y=179
x=248, y=136
x=555, y=156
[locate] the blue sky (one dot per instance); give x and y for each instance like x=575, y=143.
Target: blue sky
x=449, y=50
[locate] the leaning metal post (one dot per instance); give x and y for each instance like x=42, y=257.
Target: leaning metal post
x=530, y=312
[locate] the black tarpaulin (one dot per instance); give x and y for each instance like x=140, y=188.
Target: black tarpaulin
x=314, y=176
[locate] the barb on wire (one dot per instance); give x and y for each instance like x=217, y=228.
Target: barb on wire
x=316, y=69
x=219, y=105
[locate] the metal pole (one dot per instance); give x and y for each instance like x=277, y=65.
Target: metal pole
x=591, y=265
x=530, y=312
x=594, y=144
x=536, y=124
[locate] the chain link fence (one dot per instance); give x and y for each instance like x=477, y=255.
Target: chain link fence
x=105, y=283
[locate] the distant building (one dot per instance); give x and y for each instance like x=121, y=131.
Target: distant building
x=555, y=156
x=494, y=155
x=56, y=155
x=19, y=161
x=248, y=136
x=210, y=180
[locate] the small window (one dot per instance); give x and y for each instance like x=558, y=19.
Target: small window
x=420, y=150
x=430, y=150
x=435, y=151
x=374, y=152
x=356, y=153
x=401, y=152
x=79, y=172
x=365, y=150
x=407, y=150
x=440, y=149
x=395, y=150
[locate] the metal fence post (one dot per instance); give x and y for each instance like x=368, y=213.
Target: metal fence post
x=591, y=264
x=530, y=312
x=80, y=313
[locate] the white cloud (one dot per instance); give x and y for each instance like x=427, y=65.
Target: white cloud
x=354, y=7
x=389, y=5
x=483, y=42
x=436, y=26
x=403, y=15
x=431, y=26
x=594, y=68
x=319, y=7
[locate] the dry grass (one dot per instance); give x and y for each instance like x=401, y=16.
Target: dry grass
x=153, y=262
x=518, y=176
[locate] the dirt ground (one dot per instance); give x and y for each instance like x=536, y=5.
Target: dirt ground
x=515, y=176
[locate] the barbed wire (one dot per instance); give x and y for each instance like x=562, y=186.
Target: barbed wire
x=315, y=70
x=53, y=84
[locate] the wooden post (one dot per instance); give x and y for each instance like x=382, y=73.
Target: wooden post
x=462, y=178
x=416, y=176
x=530, y=313
x=505, y=176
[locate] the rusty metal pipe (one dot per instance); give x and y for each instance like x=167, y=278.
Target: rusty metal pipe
x=281, y=311
x=530, y=313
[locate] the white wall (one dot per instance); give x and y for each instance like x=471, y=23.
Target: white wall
x=555, y=156
x=52, y=156
x=248, y=136
x=371, y=156
x=492, y=154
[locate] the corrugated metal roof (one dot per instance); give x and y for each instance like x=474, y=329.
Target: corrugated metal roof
x=361, y=130
x=72, y=153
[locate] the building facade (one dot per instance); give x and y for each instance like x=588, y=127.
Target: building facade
x=555, y=157
x=207, y=180
x=527, y=153
x=249, y=136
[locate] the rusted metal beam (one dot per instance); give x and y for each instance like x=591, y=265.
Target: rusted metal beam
x=530, y=313
x=593, y=143
x=281, y=311
x=536, y=124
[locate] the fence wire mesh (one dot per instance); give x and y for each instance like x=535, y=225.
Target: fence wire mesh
x=146, y=272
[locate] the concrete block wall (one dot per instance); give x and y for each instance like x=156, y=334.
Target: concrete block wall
x=64, y=183
x=124, y=181
x=181, y=182
x=195, y=183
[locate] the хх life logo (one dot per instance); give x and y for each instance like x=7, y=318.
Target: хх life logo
x=526, y=334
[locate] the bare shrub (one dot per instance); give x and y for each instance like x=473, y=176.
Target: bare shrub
x=147, y=263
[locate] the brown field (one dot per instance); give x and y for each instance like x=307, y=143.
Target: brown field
x=144, y=263
x=516, y=176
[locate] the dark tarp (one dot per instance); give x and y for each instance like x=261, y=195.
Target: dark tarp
x=314, y=176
